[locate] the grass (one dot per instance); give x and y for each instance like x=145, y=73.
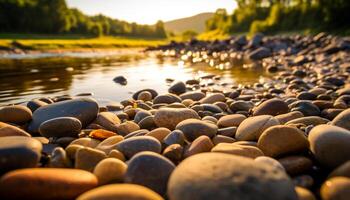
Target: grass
x=52, y=42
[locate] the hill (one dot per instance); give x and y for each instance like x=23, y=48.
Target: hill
x=195, y=23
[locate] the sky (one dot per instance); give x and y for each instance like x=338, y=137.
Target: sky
x=149, y=11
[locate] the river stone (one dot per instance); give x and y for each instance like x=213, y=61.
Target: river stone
x=127, y=127
x=222, y=139
x=108, y=120
x=260, y=53
x=144, y=96
x=194, y=95
x=170, y=117
x=19, y=152
x=153, y=92
x=330, y=145
x=342, y=119
x=9, y=130
x=87, y=158
x=241, y=106
x=46, y=183
x=271, y=107
x=311, y=120
x=342, y=170
x=193, y=128
x=239, y=150
x=269, y=161
x=109, y=144
x=35, y=104
x=175, y=137
x=173, y=152
x=231, y=120
x=16, y=114
x=337, y=188
x=284, y=118
x=110, y=170
x=150, y=170
x=133, y=145
x=199, y=145
x=221, y=176
x=84, y=109
x=305, y=107
x=60, y=127
x=120, y=192
x=304, y=194
x=147, y=123
x=159, y=133
x=101, y=134
x=213, y=98
x=116, y=154
x=166, y=99
x=252, y=127
x=177, y=88
x=86, y=142
x=141, y=114
x=281, y=139
x=59, y=159
x=296, y=165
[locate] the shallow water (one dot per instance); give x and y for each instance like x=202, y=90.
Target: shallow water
x=24, y=77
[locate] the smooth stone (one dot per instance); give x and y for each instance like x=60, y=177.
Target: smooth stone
x=337, y=188
x=311, y=120
x=131, y=146
x=16, y=114
x=208, y=176
x=166, y=99
x=284, y=118
x=108, y=120
x=296, y=165
x=110, y=170
x=60, y=127
x=177, y=88
x=260, y=53
x=86, y=142
x=153, y=92
x=342, y=170
x=120, y=192
x=174, y=137
x=342, y=119
x=193, y=128
x=281, y=139
x=19, y=152
x=147, y=123
x=151, y=170
x=304, y=194
x=145, y=96
x=9, y=130
x=241, y=106
x=141, y=114
x=59, y=159
x=222, y=139
x=199, y=145
x=194, y=95
x=228, y=131
x=127, y=127
x=109, y=144
x=269, y=161
x=84, y=109
x=330, y=145
x=35, y=104
x=173, y=152
x=71, y=150
x=116, y=154
x=87, y=158
x=252, y=127
x=238, y=150
x=305, y=107
x=170, y=117
x=210, y=119
x=271, y=107
x=231, y=120
x=101, y=134
x=159, y=133
x=217, y=97
x=46, y=183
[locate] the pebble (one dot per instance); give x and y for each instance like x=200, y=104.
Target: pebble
x=101, y=134
x=222, y=139
x=311, y=120
x=239, y=150
x=194, y=95
x=46, y=183
x=159, y=133
x=330, y=145
x=174, y=137
x=304, y=194
x=59, y=159
x=342, y=119
x=87, y=158
x=252, y=127
x=270, y=161
x=60, y=127
x=16, y=114
x=110, y=170
x=35, y=104
x=271, y=107
x=108, y=120
x=120, y=191
x=131, y=146
x=231, y=120
x=145, y=96
x=281, y=139
x=9, y=130
x=228, y=177
x=84, y=109
x=127, y=127
x=170, y=117
x=337, y=188
x=284, y=118
x=173, y=152
x=193, y=128
x=150, y=170
x=199, y=145
x=342, y=170
x=19, y=152
x=296, y=165
x=218, y=97
x=177, y=88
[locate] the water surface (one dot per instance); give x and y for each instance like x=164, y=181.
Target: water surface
x=24, y=77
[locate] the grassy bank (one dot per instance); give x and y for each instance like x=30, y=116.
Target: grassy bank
x=52, y=42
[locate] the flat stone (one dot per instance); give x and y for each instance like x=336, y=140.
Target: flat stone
x=131, y=146
x=108, y=120
x=170, y=117
x=231, y=120
x=9, y=130
x=16, y=114
x=271, y=107
x=239, y=150
x=193, y=128
x=110, y=170
x=60, y=127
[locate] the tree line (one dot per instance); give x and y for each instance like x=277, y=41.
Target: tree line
x=271, y=16
x=54, y=17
